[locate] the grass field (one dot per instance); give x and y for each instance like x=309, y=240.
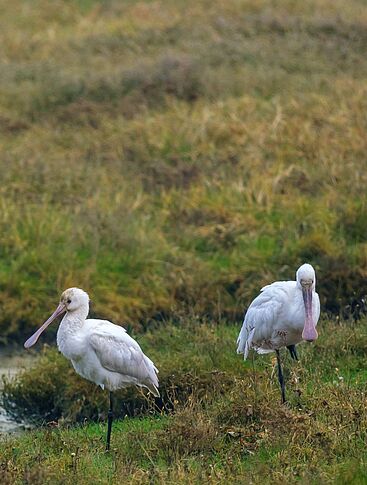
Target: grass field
x=228, y=425
x=170, y=158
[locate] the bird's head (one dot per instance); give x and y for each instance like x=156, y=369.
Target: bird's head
x=306, y=277
x=72, y=300
x=306, y=281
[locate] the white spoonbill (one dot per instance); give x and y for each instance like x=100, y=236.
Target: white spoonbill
x=99, y=350
x=282, y=315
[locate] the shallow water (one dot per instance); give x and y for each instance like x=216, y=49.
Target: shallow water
x=10, y=364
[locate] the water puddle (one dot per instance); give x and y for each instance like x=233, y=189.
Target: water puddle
x=10, y=364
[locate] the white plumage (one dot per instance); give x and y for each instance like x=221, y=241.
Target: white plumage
x=106, y=355
x=99, y=350
x=276, y=317
x=282, y=315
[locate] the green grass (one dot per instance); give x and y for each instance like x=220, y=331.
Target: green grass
x=171, y=158
x=224, y=421
x=176, y=156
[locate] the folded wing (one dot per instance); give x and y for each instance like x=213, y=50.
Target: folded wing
x=261, y=317
x=118, y=352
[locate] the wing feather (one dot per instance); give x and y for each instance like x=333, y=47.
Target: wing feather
x=260, y=317
x=118, y=352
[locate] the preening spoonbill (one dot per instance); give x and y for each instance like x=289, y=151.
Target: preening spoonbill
x=99, y=350
x=282, y=315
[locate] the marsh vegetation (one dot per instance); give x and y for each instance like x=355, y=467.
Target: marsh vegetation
x=175, y=157
x=171, y=158
x=223, y=420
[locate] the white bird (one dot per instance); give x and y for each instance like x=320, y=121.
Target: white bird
x=99, y=350
x=282, y=315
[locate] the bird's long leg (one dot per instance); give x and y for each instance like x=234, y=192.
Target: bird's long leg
x=254, y=379
x=109, y=423
x=293, y=351
x=281, y=377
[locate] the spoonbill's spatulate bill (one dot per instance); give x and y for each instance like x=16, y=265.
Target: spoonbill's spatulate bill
x=284, y=314
x=99, y=350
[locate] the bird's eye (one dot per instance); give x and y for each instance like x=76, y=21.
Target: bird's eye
x=69, y=301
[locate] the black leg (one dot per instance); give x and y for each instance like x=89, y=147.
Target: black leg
x=281, y=377
x=109, y=424
x=293, y=351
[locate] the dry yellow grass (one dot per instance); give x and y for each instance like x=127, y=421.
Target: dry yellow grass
x=174, y=156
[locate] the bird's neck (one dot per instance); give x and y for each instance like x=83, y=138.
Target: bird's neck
x=74, y=321
x=69, y=332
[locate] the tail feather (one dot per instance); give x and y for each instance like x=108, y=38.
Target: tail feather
x=151, y=380
x=152, y=388
x=245, y=343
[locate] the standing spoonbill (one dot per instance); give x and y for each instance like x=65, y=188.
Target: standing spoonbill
x=282, y=315
x=99, y=350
